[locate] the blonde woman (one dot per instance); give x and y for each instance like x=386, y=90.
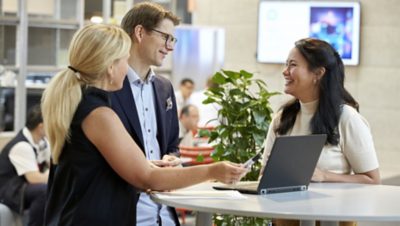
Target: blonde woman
x=95, y=161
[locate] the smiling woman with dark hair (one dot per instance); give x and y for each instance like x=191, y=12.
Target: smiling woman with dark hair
x=314, y=76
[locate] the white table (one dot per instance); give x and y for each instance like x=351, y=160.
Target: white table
x=323, y=201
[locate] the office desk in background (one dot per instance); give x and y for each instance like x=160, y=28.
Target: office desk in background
x=323, y=201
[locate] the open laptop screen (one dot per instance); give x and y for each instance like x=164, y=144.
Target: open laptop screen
x=291, y=163
x=290, y=166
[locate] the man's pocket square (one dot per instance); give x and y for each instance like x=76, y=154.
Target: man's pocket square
x=169, y=104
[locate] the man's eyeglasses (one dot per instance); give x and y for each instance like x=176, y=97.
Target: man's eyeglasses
x=169, y=39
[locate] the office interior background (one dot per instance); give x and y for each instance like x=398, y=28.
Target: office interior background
x=34, y=54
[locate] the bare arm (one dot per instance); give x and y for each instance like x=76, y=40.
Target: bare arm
x=126, y=158
x=370, y=177
x=358, y=148
x=36, y=177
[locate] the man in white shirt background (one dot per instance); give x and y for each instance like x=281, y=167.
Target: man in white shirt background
x=24, y=163
x=182, y=96
x=208, y=113
x=188, y=119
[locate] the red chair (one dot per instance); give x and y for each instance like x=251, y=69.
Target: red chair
x=190, y=155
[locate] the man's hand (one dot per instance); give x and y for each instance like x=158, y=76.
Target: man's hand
x=167, y=161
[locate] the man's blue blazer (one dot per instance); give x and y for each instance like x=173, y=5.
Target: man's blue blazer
x=123, y=103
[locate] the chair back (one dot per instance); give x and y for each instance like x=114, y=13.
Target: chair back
x=196, y=155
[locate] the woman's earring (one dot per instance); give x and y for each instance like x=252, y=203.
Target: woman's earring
x=315, y=81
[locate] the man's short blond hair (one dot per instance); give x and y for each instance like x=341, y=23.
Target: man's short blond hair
x=147, y=14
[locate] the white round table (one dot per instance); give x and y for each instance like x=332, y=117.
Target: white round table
x=322, y=201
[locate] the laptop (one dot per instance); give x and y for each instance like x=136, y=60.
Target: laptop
x=290, y=166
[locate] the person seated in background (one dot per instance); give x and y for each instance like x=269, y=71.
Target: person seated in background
x=208, y=113
x=182, y=96
x=24, y=171
x=188, y=119
x=314, y=76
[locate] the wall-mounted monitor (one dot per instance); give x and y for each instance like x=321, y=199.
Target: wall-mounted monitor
x=281, y=23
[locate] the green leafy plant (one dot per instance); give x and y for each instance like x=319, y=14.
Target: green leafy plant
x=244, y=116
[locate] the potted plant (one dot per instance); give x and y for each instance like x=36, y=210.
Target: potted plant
x=244, y=116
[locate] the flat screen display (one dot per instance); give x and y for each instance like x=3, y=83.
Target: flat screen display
x=281, y=23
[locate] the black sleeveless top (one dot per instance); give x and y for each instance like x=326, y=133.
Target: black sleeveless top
x=83, y=189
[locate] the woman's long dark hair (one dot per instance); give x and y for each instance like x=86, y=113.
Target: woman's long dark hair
x=332, y=94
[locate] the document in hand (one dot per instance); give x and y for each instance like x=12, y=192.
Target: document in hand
x=200, y=195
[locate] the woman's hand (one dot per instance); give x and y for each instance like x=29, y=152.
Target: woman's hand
x=370, y=177
x=227, y=172
x=318, y=176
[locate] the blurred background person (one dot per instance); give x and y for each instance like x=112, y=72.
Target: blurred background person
x=188, y=120
x=24, y=164
x=208, y=113
x=182, y=96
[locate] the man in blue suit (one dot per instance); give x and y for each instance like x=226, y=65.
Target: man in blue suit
x=146, y=103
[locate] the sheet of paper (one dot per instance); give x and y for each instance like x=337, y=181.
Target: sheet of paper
x=200, y=195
